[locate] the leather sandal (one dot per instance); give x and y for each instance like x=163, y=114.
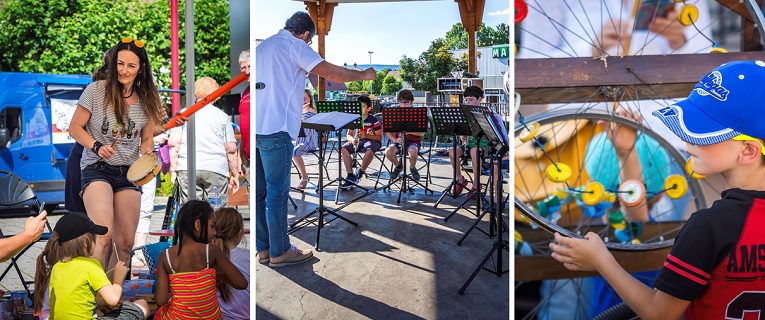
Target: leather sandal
x=264, y=257
x=303, y=183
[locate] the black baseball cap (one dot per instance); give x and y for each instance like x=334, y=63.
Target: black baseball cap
x=75, y=224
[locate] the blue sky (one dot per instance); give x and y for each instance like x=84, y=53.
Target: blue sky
x=389, y=29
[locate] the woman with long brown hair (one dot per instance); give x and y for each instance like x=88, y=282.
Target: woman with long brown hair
x=115, y=121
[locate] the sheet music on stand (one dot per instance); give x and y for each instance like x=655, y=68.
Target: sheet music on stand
x=352, y=107
x=492, y=131
x=474, y=127
x=329, y=121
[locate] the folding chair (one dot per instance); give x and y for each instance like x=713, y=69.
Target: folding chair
x=15, y=191
x=380, y=154
x=432, y=141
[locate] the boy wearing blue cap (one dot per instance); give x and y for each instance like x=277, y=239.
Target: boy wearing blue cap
x=715, y=268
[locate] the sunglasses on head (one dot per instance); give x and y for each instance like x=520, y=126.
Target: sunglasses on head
x=138, y=43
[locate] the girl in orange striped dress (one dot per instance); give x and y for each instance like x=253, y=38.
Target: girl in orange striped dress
x=186, y=276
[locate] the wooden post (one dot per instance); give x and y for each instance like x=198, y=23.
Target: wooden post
x=321, y=13
x=471, y=14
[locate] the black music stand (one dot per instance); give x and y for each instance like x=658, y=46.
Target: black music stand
x=403, y=120
x=321, y=123
x=499, y=143
x=490, y=208
x=450, y=121
x=349, y=107
x=476, y=132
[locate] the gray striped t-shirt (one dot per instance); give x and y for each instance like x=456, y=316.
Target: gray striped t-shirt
x=106, y=130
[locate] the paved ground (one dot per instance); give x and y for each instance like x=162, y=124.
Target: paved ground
x=401, y=262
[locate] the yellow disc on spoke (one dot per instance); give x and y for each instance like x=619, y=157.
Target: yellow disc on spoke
x=689, y=171
x=675, y=186
x=561, y=193
x=593, y=193
x=558, y=172
x=688, y=15
x=718, y=50
x=529, y=131
x=609, y=197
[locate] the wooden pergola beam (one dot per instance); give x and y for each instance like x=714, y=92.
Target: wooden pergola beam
x=471, y=14
x=321, y=13
x=541, y=81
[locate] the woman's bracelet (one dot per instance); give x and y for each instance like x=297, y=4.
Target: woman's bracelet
x=96, y=146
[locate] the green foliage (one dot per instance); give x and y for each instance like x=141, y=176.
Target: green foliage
x=355, y=86
x=457, y=38
x=364, y=85
x=434, y=63
x=70, y=36
x=437, y=61
x=390, y=86
x=379, y=77
x=166, y=187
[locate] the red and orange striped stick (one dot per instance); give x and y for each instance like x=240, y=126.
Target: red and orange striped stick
x=206, y=100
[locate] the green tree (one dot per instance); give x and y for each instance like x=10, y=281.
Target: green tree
x=377, y=84
x=355, y=86
x=434, y=63
x=390, y=86
x=457, y=38
x=366, y=85
x=69, y=36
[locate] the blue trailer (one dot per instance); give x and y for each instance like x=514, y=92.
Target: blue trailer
x=35, y=111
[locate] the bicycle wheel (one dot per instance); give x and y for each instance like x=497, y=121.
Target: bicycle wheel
x=568, y=138
x=572, y=138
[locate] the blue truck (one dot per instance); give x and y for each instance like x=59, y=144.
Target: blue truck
x=35, y=111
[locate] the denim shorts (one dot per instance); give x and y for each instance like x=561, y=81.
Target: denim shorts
x=115, y=176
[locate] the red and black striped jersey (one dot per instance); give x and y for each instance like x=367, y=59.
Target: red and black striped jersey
x=718, y=260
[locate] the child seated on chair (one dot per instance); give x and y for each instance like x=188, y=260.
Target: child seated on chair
x=368, y=141
x=473, y=96
x=190, y=274
x=307, y=142
x=413, y=140
x=229, y=233
x=74, y=278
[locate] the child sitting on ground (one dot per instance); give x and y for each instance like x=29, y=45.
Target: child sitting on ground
x=189, y=275
x=229, y=225
x=710, y=272
x=75, y=279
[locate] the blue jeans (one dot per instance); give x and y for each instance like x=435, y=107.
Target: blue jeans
x=273, y=154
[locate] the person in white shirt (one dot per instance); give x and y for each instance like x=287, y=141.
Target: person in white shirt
x=283, y=61
x=217, y=163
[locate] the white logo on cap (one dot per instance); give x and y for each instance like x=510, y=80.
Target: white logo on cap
x=712, y=86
